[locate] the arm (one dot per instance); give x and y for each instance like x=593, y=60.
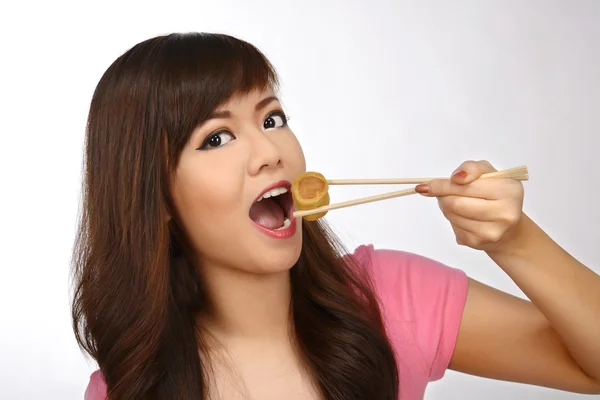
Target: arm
x=552, y=341
x=504, y=337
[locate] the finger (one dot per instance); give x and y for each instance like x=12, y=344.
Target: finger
x=464, y=238
x=445, y=187
x=483, y=231
x=470, y=171
x=473, y=208
x=507, y=213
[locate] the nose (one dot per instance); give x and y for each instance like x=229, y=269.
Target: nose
x=265, y=154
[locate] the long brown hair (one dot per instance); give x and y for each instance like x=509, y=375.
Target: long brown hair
x=136, y=297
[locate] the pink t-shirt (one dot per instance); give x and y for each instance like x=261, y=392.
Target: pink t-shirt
x=422, y=303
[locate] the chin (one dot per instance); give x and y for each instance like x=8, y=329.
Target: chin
x=270, y=259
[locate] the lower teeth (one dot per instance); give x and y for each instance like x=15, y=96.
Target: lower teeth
x=286, y=224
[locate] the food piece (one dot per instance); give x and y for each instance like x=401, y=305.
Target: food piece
x=310, y=190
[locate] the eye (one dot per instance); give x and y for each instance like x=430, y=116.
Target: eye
x=217, y=139
x=274, y=120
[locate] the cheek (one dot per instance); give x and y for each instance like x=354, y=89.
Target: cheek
x=208, y=194
x=294, y=154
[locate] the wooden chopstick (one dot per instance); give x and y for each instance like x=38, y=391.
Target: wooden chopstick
x=518, y=173
x=413, y=181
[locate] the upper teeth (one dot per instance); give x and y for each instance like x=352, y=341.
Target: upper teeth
x=273, y=193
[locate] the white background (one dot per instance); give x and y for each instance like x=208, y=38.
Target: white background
x=374, y=89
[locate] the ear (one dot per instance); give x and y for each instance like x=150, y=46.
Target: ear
x=167, y=211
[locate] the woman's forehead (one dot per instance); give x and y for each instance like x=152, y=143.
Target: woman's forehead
x=252, y=98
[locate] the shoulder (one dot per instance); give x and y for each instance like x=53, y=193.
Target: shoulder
x=414, y=273
x=96, y=389
x=422, y=302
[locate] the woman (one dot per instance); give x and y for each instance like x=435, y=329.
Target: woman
x=193, y=281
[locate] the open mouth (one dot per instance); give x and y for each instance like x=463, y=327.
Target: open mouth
x=273, y=208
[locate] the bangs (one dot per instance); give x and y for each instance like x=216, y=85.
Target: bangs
x=198, y=72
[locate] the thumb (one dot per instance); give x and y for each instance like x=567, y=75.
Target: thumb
x=467, y=172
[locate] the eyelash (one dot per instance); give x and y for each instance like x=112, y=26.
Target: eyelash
x=278, y=113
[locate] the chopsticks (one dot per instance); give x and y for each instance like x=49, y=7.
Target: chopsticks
x=517, y=173
x=507, y=173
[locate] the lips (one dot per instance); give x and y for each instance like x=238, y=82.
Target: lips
x=273, y=207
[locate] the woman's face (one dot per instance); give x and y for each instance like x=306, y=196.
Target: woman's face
x=244, y=151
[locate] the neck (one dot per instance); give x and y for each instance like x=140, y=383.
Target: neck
x=247, y=305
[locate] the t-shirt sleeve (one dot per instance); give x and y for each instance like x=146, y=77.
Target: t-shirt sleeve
x=421, y=298
x=96, y=389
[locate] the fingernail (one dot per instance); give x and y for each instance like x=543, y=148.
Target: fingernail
x=422, y=188
x=460, y=174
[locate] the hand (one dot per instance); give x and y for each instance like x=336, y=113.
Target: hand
x=483, y=213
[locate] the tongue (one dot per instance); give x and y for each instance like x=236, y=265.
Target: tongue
x=267, y=213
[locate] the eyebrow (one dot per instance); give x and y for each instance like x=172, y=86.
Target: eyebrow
x=265, y=102
x=219, y=114
x=259, y=106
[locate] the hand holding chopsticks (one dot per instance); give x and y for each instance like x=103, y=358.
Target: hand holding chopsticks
x=316, y=187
